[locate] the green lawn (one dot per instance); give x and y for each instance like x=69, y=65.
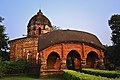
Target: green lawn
x=26, y=78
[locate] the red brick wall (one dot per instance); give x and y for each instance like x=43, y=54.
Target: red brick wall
x=19, y=48
x=63, y=50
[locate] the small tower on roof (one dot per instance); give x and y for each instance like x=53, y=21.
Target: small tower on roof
x=38, y=25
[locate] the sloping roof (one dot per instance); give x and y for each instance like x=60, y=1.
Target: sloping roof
x=67, y=36
x=17, y=39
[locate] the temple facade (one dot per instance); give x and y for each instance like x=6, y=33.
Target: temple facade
x=57, y=50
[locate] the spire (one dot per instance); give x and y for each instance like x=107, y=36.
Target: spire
x=39, y=12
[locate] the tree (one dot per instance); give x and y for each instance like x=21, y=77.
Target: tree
x=109, y=58
x=114, y=24
x=3, y=41
x=54, y=28
x=113, y=51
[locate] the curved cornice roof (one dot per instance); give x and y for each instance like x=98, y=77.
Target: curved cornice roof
x=67, y=36
x=39, y=18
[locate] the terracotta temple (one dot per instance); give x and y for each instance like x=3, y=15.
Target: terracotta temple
x=57, y=50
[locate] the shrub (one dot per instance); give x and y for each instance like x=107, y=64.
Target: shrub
x=16, y=67
x=103, y=73
x=73, y=75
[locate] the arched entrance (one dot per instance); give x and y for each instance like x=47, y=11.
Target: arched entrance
x=29, y=56
x=73, y=60
x=53, y=61
x=92, y=60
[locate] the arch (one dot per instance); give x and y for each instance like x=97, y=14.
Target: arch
x=73, y=60
x=92, y=60
x=53, y=61
x=39, y=30
x=29, y=56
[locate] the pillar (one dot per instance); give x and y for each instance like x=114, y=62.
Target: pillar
x=101, y=60
x=83, y=62
x=83, y=59
x=63, y=64
x=43, y=64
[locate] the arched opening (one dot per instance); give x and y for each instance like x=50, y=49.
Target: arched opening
x=73, y=60
x=29, y=56
x=39, y=31
x=53, y=61
x=34, y=30
x=92, y=60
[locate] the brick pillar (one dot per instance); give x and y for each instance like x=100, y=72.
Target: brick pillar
x=63, y=64
x=37, y=58
x=43, y=67
x=83, y=50
x=63, y=58
x=101, y=60
x=43, y=64
x=83, y=62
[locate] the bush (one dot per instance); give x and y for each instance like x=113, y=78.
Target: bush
x=73, y=75
x=103, y=73
x=109, y=66
x=16, y=67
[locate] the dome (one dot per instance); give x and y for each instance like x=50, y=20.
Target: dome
x=39, y=18
x=68, y=36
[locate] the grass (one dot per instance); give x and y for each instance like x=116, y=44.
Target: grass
x=26, y=78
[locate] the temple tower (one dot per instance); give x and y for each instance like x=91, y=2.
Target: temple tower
x=38, y=24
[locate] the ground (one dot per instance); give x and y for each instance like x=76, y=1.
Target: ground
x=26, y=78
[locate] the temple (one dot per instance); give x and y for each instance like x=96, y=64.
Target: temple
x=57, y=50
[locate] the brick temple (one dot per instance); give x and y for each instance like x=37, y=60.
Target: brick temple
x=57, y=50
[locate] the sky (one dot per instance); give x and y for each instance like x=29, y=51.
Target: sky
x=84, y=15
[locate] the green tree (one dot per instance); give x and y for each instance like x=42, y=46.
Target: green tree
x=0, y=68
x=3, y=41
x=114, y=24
x=109, y=59
x=113, y=51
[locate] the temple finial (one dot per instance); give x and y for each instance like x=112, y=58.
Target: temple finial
x=39, y=12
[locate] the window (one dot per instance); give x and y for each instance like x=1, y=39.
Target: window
x=39, y=31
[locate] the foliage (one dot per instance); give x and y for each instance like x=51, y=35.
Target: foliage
x=3, y=40
x=103, y=73
x=55, y=28
x=112, y=58
x=112, y=53
x=114, y=24
x=109, y=58
x=16, y=67
x=73, y=75
x=0, y=67
x=27, y=78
